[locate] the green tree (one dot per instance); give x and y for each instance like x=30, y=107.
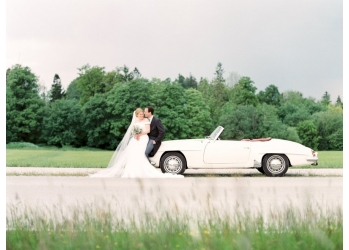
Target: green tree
x=73, y=92
x=156, y=89
x=56, y=92
x=243, y=93
x=219, y=74
x=11, y=134
x=108, y=115
x=90, y=82
x=330, y=128
x=295, y=97
x=308, y=133
x=241, y=121
x=136, y=74
x=191, y=82
x=180, y=80
x=272, y=126
x=63, y=124
x=188, y=82
x=313, y=106
x=25, y=108
x=219, y=93
x=98, y=117
x=326, y=99
x=293, y=114
x=112, y=78
x=287, y=133
x=294, y=108
x=197, y=115
x=205, y=88
x=270, y=96
x=126, y=74
x=335, y=140
x=339, y=102
x=170, y=103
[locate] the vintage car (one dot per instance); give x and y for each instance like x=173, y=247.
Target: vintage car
x=269, y=156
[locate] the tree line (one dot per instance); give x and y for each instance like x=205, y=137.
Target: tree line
x=96, y=109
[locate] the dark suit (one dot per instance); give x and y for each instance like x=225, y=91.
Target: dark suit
x=157, y=133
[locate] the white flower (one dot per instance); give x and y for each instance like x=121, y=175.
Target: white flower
x=136, y=130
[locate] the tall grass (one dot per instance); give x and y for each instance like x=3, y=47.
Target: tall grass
x=88, y=228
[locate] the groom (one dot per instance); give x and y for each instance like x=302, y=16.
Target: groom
x=156, y=134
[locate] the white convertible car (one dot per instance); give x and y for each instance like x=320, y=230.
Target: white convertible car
x=270, y=156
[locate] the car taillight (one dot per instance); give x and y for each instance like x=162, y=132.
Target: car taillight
x=313, y=153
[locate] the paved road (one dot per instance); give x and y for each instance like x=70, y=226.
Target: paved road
x=254, y=172
x=190, y=195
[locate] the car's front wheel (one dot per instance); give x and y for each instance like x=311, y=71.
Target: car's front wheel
x=173, y=162
x=275, y=165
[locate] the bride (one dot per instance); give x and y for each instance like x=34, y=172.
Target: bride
x=129, y=159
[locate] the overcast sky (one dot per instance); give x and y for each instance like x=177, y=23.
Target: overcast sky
x=295, y=45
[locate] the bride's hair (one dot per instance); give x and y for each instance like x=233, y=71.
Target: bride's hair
x=137, y=111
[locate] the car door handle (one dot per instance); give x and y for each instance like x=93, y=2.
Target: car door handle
x=246, y=147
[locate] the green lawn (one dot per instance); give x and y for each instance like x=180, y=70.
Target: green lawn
x=57, y=158
x=91, y=158
x=328, y=159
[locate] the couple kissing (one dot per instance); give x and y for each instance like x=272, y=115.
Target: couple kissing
x=142, y=140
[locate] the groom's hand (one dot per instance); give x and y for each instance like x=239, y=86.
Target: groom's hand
x=154, y=142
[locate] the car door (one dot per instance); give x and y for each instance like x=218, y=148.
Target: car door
x=227, y=152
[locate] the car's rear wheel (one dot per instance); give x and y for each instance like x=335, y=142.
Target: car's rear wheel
x=173, y=162
x=275, y=165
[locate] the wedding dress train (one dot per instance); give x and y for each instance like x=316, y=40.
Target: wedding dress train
x=132, y=162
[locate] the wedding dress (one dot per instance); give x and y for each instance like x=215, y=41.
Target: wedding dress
x=129, y=161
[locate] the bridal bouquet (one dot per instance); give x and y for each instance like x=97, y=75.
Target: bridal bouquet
x=136, y=130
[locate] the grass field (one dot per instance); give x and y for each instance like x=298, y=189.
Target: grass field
x=57, y=158
x=328, y=159
x=29, y=155
x=289, y=228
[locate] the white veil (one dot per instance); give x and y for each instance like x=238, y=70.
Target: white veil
x=118, y=160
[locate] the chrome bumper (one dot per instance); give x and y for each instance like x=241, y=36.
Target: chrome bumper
x=314, y=161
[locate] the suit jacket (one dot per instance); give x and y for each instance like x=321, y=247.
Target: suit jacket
x=157, y=133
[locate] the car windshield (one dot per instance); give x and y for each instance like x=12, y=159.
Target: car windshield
x=215, y=133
